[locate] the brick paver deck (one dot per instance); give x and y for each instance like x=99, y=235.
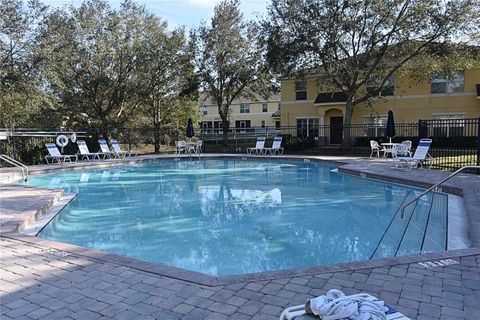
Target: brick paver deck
x=38, y=281
x=41, y=283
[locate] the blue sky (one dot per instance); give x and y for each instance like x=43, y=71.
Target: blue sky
x=188, y=13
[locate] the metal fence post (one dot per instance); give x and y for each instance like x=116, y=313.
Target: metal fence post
x=14, y=144
x=478, y=141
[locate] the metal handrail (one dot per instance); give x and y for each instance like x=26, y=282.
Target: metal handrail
x=17, y=164
x=435, y=186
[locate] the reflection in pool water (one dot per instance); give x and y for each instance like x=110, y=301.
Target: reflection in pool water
x=225, y=217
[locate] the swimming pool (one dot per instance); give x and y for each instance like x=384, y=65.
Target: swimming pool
x=233, y=216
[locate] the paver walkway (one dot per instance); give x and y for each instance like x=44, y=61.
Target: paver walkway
x=41, y=283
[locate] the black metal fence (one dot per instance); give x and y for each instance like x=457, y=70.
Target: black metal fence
x=456, y=142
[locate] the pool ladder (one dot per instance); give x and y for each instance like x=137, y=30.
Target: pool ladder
x=17, y=164
x=435, y=187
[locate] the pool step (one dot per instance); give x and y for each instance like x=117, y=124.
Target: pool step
x=421, y=229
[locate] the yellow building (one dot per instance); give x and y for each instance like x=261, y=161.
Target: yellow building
x=309, y=103
x=244, y=113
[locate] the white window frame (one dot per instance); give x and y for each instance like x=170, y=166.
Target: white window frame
x=203, y=110
x=244, y=107
x=301, y=86
x=379, y=122
x=452, y=84
x=308, y=124
x=264, y=107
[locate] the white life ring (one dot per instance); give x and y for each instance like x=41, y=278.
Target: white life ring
x=73, y=137
x=62, y=140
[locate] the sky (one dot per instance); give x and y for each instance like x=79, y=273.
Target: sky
x=188, y=13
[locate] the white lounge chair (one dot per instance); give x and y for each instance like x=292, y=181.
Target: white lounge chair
x=105, y=149
x=86, y=154
x=375, y=147
x=119, y=152
x=420, y=155
x=276, y=146
x=259, y=147
x=336, y=308
x=55, y=155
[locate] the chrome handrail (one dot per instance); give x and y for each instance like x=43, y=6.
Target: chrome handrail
x=17, y=164
x=435, y=186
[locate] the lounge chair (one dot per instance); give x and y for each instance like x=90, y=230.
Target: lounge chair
x=420, y=155
x=375, y=147
x=259, y=147
x=336, y=306
x=181, y=146
x=276, y=146
x=86, y=154
x=119, y=152
x=105, y=149
x=55, y=155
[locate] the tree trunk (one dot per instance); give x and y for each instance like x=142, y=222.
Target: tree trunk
x=156, y=126
x=223, y=112
x=225, y=131
x=347, y=121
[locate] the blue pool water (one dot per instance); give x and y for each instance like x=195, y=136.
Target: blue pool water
x=224, y=217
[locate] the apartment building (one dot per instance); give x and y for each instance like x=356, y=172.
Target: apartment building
x=310, y=104
x=244, y=114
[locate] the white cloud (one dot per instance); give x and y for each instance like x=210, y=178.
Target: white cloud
x=203, y=3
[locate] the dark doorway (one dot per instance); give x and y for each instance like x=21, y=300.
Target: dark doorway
x=336, y=128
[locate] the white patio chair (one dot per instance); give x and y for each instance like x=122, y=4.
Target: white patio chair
x=199, y=146
x=375, y=147
x=259, y=147
x=55, y=155
x=181, y=146
x=408, y=143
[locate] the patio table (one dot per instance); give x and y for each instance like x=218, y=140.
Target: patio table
x=388, y=149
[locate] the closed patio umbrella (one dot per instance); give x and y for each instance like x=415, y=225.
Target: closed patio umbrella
x=390, y=129
x=190, y=132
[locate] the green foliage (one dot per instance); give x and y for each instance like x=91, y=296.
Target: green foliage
x=230, y=59
x=21, y=97
x=358, y=42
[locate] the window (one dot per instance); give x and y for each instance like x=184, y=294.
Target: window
x=388, y=87
x=443, y=84
x=264, y=107
x=242, y=125
x=279, y=106
x=203, y=110
x=244, y=108
x=277, y=124
x=307, y=127
x=448, y=124
x=263, y=123
x=374, y=126
x=301, y=90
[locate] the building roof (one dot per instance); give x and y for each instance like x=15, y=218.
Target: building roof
x=258, y=98
x=328, y=97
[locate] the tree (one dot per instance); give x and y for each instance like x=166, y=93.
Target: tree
x=21, y=95
x=355, y=42
x=105, y=65
x=230, y=59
